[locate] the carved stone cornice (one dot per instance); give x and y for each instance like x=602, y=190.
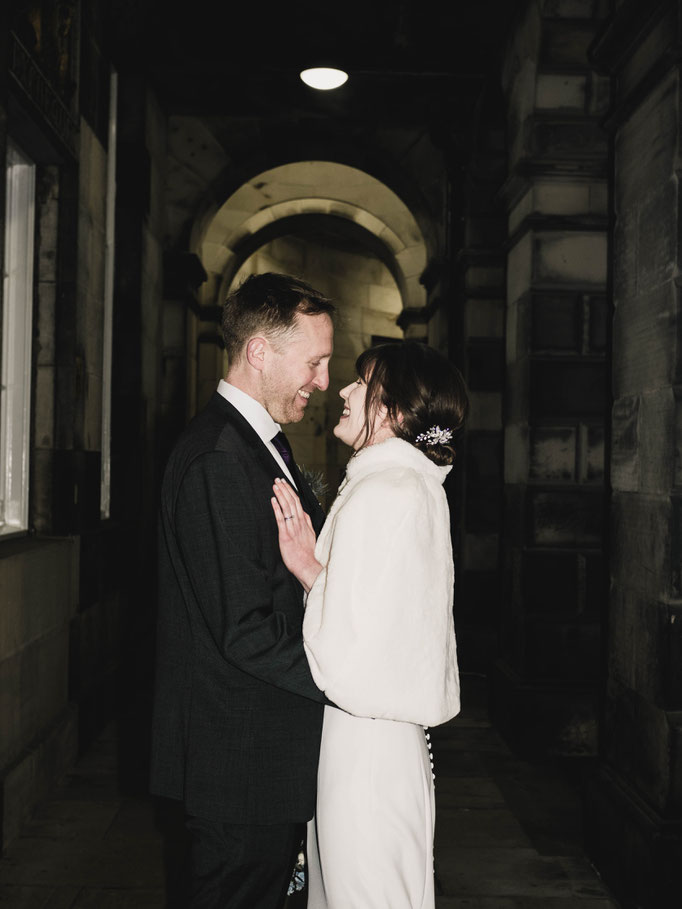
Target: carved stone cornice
x=637, y=47
x=183, y=275
x=540, y=222
x=477, y=257
x=182, y=271
x=418, y=315
x=38, y=92
x=622, y=34
x=530, y=170
x=433, y=274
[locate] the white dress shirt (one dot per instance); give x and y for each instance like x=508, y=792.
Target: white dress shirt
x=258, y=419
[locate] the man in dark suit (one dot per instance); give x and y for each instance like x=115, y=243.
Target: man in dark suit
x=237, y=717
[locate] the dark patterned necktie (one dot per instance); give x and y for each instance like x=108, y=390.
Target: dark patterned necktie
x=281, y=443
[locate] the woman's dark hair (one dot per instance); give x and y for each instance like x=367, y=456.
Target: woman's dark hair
x=420, y=389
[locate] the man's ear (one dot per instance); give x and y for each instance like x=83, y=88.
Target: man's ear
x=255, y=353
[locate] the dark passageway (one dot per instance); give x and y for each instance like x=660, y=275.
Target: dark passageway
x=497, y=179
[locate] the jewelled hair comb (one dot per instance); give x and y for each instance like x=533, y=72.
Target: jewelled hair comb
x=435, y=436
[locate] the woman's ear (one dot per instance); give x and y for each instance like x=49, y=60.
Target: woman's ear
x=381, y=416
x=255, y=352
x=383, y=425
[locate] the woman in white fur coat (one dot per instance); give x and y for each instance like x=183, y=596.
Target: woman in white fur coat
x=378, y=629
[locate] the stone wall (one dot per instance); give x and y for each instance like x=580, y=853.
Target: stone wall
x=477, y=339
x=635, y=812
x=545, y=683
x=66, y=587
x=39, y=573
x=79, y=335
x=38, y=725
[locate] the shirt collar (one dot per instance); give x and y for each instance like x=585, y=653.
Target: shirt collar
x=253, y=412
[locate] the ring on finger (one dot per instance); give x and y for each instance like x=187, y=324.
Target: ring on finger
x=289, y=517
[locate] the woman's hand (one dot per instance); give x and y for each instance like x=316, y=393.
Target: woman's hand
x=296, y=535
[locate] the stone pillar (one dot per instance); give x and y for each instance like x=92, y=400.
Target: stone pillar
x=137, y=405
x=183, y=277
x=137, y=396
x=635, y=812
x=545, y=684
x=480, y=268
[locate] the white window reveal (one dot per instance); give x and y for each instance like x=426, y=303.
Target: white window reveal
x=17, y=317
x=105, y=476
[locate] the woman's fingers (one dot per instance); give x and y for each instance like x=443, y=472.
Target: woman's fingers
x=279, y=517
x=278, y=511
x=287, y=498
x=283, y=510
x=288, y=510
x=296, y=534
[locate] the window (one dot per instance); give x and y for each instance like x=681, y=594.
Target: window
x=17, y=317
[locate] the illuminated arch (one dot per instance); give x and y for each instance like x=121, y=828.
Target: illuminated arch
x=311, y=188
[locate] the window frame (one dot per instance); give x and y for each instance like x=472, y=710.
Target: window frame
x=16, y=365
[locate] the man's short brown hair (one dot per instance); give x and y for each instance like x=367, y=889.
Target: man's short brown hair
x=268, y=304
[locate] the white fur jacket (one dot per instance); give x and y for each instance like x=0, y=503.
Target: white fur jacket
x=378, y=627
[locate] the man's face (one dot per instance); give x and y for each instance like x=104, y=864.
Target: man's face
x=296, y=366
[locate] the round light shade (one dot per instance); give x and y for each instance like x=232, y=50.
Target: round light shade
x=324, y=78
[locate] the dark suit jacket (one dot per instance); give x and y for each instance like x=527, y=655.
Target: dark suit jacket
x=237, y=716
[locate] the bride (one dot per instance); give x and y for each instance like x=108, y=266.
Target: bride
x=378, y=629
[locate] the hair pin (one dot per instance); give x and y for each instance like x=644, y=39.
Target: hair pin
x=435, y=436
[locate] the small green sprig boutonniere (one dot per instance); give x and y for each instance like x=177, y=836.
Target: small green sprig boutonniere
x=317, y=482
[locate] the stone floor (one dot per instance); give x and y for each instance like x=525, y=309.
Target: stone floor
x=508, y=832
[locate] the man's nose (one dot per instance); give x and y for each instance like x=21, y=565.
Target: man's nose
x=321, y=380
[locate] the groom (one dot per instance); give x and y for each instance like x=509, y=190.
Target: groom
x=237, y=717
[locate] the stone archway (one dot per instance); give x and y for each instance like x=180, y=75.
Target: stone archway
x=311, y=187
x=369, y=303
x=365, y=250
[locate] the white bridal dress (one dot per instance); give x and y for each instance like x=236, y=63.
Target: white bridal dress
x=380, y=641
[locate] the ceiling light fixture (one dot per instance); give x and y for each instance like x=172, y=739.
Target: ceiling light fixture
x=324, y=78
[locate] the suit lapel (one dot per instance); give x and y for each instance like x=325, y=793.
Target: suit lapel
x=249, y=436
x=254, y=442
x=308, y=499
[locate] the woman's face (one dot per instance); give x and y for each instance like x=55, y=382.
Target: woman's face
x=351, y=426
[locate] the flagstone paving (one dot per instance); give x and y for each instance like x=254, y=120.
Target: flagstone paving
x=508, y=831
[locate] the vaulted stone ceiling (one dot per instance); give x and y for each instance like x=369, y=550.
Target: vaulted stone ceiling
x=408, y=59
